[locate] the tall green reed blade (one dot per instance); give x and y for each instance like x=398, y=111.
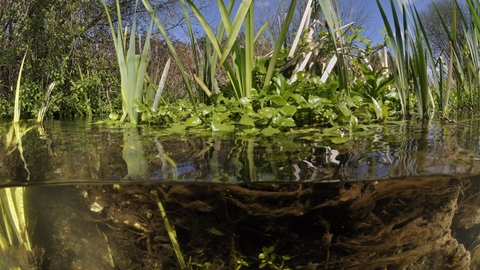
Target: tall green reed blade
x=240, y=73
x=133, y=67
x=454, y=62
x=472, y=37
x=279, y=43
x=46, y=103
x=420, y=66
x=428, y=50
x=420, y=75
x=16, y=112
x=186, y=81
x=398, y=41
x=202, y=68
x=233, y=73
x=334, y=23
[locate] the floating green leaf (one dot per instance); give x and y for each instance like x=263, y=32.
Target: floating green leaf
x=246, y=121
x=269, y=131
x=288, y=110
x=281, y=121
x=339, y=140
x=267, y=112
x=218, y=126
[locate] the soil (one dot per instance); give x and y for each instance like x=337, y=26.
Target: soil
x=421, y=223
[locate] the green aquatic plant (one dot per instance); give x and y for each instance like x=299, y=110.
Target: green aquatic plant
x=464, y=58
x=14, y=232
x=400, y=45
x=373, y=87
x=172, y=234
x=13, y=141
x=46, y=103
x=240, y=73
x=16, y=112
x=269, y=259
x=171, y=48
x=412, y=56
x=335, y=29
x=133, y=67
x=419, y=66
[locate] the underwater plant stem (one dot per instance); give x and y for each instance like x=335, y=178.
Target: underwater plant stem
x=171, y=234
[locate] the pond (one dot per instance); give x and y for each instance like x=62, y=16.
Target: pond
x=78, y=195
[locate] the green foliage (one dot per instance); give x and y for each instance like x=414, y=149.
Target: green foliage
x=133, y=66
x=172, y=50
x=335, y=29
x=16, y=115
x=240, y=74
x=269, y=259
x=398, y=41
x=60, y=37
x=281, y=107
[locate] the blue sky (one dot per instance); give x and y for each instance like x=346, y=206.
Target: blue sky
x=375, y=26
x=377, y=22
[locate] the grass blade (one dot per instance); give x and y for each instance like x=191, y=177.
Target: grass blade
x=16, y=112
x=150, y=10
x=279, y=43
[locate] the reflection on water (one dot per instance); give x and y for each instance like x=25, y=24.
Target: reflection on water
x=78, y=152
x=417, y=223
x=82, y=196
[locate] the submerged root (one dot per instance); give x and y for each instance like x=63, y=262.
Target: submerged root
x=394, y=224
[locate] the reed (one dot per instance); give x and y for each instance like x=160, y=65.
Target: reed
x=399, y=44
x=160, y=27
x=16, y=112
x=335, y=29
x=454, y=61
x=468, y=55
x=419, y=63
x=46, y=103
x=172, y=234
x=14, y=230
x=133, y=67
x=240, y=73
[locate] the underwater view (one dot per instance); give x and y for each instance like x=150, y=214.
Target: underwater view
x=79, y=195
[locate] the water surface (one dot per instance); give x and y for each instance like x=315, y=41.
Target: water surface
x=81, y=152
x=82, y=196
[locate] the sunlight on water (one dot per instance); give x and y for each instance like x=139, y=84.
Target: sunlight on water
x=79, y=151
x=86, y=196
